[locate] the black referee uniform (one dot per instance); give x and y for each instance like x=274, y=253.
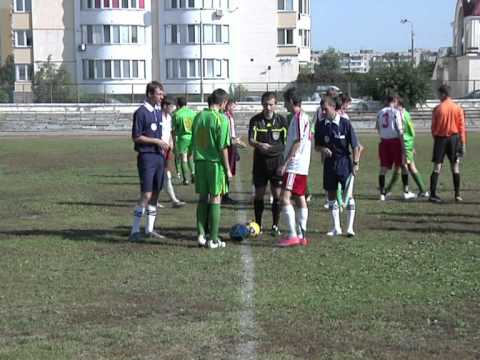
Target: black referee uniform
x=266, y=164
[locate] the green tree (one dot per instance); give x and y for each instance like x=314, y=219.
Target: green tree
x=401, y=78
x=7, y=80
x=53, y=84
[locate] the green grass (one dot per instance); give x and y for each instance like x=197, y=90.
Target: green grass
x=408, y=287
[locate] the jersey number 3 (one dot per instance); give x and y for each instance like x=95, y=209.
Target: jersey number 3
x=386, y=120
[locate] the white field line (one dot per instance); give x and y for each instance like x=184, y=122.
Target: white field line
x=247, y=349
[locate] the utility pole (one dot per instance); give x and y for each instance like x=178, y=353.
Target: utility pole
x=201, y=55
x=412, y=33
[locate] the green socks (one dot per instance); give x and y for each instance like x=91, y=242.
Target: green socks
x=202, y=216
x=214, y=219
x=184, y=170
x=393, y=181
x=191, y=165
x=419, y=181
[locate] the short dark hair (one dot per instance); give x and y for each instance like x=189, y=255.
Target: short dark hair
x=291, y=95
x=152, y=86
x=391, y=98
x=444, y=90
x=168, y=100
x=345, y=98
x=332, y=92
x=267, y=96
x=181, y=102
x=217, y=97
x=401, y=102
x=330, y=100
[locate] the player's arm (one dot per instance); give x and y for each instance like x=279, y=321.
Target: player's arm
x=224, y=143
x=461, y=126
x=357, y=148
x=138, y=137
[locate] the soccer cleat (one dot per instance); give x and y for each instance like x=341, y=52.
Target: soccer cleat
x=227, y=200
x=350, y=233
x=424, y=195
x=458, y=198
x=202, y=241
x=178, y=204
x=383, y=197
x=289, y=241
x=409, y=195
x=303, y=241
x=154, y=236
x=335, y=232
x=160, y=206
x=435, y=199
x=135, y=237
x=186, y=182
x=275, y=231
x=326, y=205
x=308, y=198
x=216, y=244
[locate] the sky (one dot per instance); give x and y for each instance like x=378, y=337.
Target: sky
x=375, y=24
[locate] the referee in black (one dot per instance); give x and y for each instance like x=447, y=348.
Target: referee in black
x=267, y=133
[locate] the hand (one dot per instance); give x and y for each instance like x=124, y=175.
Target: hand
x=264, y=147
x=281, y=170
x=326, y=153
x=163, y=145
x=355, y=169
x=462, y=150
x=229, y=174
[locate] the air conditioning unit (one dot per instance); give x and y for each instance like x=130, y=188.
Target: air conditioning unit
x=219, y=13
x=82, y=47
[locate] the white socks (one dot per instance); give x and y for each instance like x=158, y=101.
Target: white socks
x=302, y=219
x=335, y=212
x=289, y=213
x=351, y=215
x=151, y=215
x=137, y=219
x=169, y=186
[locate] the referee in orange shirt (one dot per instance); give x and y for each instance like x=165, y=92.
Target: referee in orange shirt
x=448, y=130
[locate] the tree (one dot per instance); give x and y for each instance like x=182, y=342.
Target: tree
x=400, y=78
x=53, y=84
x=7, y=80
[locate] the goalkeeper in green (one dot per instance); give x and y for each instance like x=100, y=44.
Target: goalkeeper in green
x=409, y=165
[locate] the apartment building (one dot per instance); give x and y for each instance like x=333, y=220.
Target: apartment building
x=192, y=46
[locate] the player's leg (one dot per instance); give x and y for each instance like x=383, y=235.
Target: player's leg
x=439, y=149
x=288, y=212
x=386, y=163
x=259, y=203
x=185, y=167
x=191, y=163
x=275, y=189
x=393, y=180
x=218, y=186
x=452, y=153
x=169, y=185
x=201, y=188
x=302, y=218
x=347, y=184
x=417, y=177
x=334, y=212
x=157, y=185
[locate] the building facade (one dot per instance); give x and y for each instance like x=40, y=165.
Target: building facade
x=192, y=46
x=460, y=65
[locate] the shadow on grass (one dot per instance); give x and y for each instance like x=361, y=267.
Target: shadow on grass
x=427, y=230
x=424, y=214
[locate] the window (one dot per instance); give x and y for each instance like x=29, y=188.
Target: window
x=23, y=5
x=285, y=5
x=23, y=38
x=126, y=69
x=134, y=33
x=190, y=69
x=285, y=36
x=117, y=71
x=99, y=74
x=183, y=4
x=304, y=7
x=23, y=72
x=124, y=34
x=122, y=69
x=106, y=34
x=108, y=69
x=192, y=31
x=125, y=4
x=304, y=38
x=208, y=34
x=116, y=34
x=135, y=69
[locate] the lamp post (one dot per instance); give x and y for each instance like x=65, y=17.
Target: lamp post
x=201, y=55
x=405, y=21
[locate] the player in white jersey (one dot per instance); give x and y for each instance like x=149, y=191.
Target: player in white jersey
x=168, y=107
x=392, y=147
x=295, y=171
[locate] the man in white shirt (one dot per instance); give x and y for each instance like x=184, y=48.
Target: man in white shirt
x=295, y=171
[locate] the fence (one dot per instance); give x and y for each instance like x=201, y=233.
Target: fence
x=119, y=93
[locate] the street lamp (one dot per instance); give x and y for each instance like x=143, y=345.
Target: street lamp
x=405, y=21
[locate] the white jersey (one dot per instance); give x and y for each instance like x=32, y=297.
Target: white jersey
x=389, y=123
x=299, y=130
x=166, y=128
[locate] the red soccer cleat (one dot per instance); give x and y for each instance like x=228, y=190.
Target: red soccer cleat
x=289, y=242
x=303, y=241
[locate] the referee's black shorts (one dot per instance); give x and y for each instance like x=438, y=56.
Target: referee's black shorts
x=265, y=170
x=446, y=145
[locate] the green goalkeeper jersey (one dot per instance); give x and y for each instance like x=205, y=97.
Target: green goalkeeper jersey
x=210, y=135
x=408, y=130
x=183, y=121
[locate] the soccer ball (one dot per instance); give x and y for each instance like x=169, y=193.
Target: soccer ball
x=239, y=232
x=254, y=229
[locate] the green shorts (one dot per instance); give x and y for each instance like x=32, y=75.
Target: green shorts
x=210, y=178
x=184, y=145
x=409, y=155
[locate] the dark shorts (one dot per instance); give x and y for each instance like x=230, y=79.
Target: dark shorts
x=335, y=173
x=265, y=170
x=449, y=145
x=151, y=169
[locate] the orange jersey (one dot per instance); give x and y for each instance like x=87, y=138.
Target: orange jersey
x=448, y=119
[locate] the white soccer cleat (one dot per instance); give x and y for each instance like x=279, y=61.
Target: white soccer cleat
x=202, y=241
x=424, y=195
x=216, y=244
x=326, y=206
x=350, y=233
x=383, y=197
x=335, y=232
x=409, y=196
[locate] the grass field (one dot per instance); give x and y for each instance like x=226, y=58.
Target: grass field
x=72, y=287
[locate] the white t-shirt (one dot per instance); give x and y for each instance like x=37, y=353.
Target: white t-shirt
x=299, y=130
x=389, y=123
x=166, y=128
